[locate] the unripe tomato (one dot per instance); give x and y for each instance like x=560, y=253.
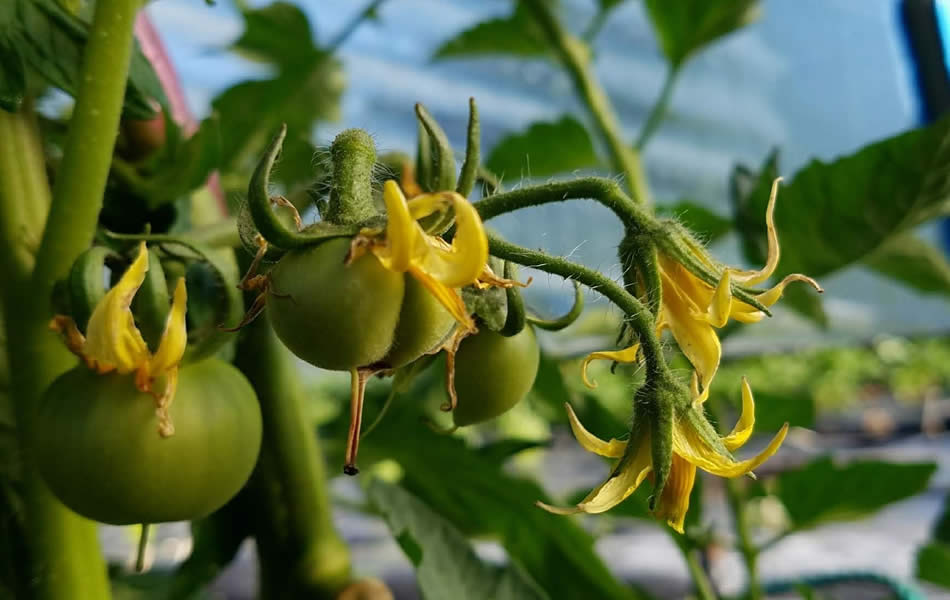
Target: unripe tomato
x=493, y=373
x=97, y=445
x=338, y=316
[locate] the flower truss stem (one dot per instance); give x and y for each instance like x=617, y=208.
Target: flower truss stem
x=575, y=57
x=658, y=112
x=750, y=553
x=636, y=314
x=704, y=587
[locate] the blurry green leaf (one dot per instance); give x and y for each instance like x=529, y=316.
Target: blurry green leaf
x=823, y=491
x=516, y=34
x=806, y=302
x=550, y=392
x=933, y=564
x=709, y=225
x=50, y=41
x=12, y=77
x=913, y=262
x=182, y=168
x=544, y=149
x=831, y=215
x=305, y=88
x=685, y=26
x=446, y=565
x=941, y=531
x=500, y=451
x=477, y=496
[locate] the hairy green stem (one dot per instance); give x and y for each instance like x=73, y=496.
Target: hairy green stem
x=704, y=587
x=602, y=190
x=636, y=314
x=575, y=56
x=302, y=556
x=658, y=112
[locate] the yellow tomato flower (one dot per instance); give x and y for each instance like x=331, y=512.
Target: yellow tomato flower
x=441, y=267
x=113, y=342
x=690, y=450
x=692, y=309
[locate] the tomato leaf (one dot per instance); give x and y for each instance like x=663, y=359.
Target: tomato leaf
x=685, y=26
x=12, y=77
x=305, y=88
x=516, y=34
x=933, y=563
x=823, y=491
x=50, y=41
x=913, y=262
x=446, y=565
x=545, y=148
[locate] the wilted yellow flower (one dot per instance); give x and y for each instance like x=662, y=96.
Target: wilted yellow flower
x=441, y=267
x=692, y=309
x=694, y=445
x=113, y=342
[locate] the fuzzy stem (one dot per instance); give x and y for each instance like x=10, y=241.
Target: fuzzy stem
x=658, y=112
x=635, y=312
x=575, y=57
x=602, y=190
x=302, y=556
x=750, y=554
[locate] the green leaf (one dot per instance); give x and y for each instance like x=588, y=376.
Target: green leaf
x=933, y=564
x=477, y=496
x=305, y=88
x=685, y=26
x=446, y=565
x=12, y=77
x=516, y=34
x=913, y=262
x=831, y=215
x=709, y=225
x=823, y=491
x=544, y=149
x=182, y=168
x=50, y=41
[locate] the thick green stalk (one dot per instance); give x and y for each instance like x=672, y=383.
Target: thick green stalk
x=302, y=556
x=636, y=314
x=575, y=56
x=64, y=552
x=658, y=112
x=602, y=190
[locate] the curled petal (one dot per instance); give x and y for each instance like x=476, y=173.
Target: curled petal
x=175, y=337
x=699, y=397
x=717, y=314
x=757, y=277
x=402, y=230
x=424, y=205
x=623, y=481
x=447, y=297
x=772, y=295
x=674, y=500
x=691, y=446
x=627, y=355
x=743, y=429
x=463, y=262
x=113, y=342
x=590, y=442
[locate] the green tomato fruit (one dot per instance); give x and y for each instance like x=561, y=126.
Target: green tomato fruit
x=493, y=373
x=97, y=445
x=338, y=316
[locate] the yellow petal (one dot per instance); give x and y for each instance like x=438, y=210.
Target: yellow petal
x=627, y=355
x=695, y=336
x=674, y=501
x=113, y=342
x=717, y=314
x=757, y=277
x=447, y=297
x=698, y=397
x=623, y=481
x=771, y=296
x=590, y=442
x=743, y=429
x=425, y=204
x=463, y=262
x=401, y=229
x=175, y=337
x=688, y=444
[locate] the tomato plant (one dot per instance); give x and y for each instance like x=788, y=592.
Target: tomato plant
x=339, y=316
x=96, y=444
x=493, y=373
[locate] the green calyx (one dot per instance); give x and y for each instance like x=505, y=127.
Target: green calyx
x=353, y=155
